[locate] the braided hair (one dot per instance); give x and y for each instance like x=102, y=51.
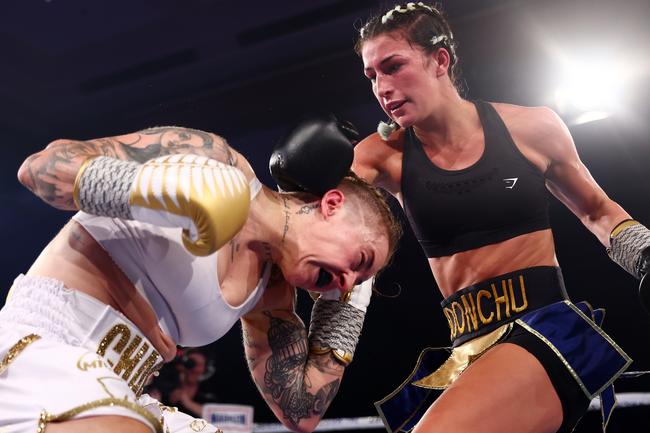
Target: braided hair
x=421, y=25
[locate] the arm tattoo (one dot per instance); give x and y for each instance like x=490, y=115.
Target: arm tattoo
x=285, y=380
x=326, y=363
x=187, y=140
x=51, y=174
x=249, y=346
x=51, y=177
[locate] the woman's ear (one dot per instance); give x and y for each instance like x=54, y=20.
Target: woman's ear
x=331, y=202
x=443, y=60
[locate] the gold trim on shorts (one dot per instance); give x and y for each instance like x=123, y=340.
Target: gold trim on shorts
x=47, y=417
x=16, y=349
x=461, y=357
x=605, y=420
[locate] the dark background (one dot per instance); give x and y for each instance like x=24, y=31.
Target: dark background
x=248, y=69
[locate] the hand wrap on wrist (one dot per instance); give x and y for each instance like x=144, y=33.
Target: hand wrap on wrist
x=103, y=187
x=630, y=247
x=335, y=325
x=337, y=320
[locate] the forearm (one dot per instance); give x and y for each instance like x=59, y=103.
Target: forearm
x=297, y=385
x=50, y=173
x=591, y=205
x=602, y=223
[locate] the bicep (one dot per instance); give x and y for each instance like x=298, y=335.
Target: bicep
x=175, y=140
x=569, y=180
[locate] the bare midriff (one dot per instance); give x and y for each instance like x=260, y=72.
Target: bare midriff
x=455, y=272
x=80, y=263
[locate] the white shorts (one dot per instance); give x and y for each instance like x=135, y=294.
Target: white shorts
x=65, y=355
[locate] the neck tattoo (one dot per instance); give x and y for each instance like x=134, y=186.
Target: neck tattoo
x=286, y=218
x=307, y=208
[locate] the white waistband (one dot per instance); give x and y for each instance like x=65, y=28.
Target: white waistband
x=44, y=306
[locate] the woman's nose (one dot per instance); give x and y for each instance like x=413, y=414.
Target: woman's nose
x=346, y=281
x=383, y=87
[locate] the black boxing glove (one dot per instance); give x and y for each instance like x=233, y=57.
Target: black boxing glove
x=315, y=156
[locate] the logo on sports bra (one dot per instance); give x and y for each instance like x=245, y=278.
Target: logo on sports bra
x=510, y=182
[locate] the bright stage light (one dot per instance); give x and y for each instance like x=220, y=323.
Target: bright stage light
x=592, y=90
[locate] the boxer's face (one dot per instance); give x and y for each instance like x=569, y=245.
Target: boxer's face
x=342, y=258
x=404, y=79
x=338, y=251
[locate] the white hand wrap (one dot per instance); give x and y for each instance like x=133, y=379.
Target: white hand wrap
x=337, y=320
x=103, y=187
x=207, y=199
x=630, y=247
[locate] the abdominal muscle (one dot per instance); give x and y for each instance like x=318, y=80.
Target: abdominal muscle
x=463, y=269
x=80, y=263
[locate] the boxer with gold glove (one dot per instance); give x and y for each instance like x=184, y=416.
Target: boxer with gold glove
x=209, y=200
x=337, y=319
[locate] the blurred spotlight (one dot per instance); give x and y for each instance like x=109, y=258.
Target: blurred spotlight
x=591, y=90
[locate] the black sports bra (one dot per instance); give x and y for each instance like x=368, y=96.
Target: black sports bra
x=501, y=196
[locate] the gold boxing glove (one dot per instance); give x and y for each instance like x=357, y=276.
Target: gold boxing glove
x=209, y=200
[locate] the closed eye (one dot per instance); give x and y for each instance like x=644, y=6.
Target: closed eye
x=361, y=262
x=392, y=68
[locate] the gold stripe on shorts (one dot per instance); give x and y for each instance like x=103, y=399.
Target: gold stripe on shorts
x=46, y=417
x=16, y=349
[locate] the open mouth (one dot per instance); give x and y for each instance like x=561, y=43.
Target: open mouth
x=394, y=106
x=324, y=278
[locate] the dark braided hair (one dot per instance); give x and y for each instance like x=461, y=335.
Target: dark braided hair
x=420, y=24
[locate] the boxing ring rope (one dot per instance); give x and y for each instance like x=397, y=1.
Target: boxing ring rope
x=625, y=399
x=333, y=424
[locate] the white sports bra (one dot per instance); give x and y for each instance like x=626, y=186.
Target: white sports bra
x=182, y=289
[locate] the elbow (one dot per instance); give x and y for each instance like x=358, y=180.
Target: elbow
x=33, y=164
x=25, y=171
x=299, y=429
x=305, y=426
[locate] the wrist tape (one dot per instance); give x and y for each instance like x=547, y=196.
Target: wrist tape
x=337, y=326
x=103, y=187
x=629, y=247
